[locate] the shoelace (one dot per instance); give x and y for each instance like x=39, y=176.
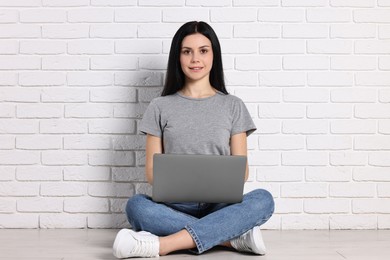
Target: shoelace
x=145, y=247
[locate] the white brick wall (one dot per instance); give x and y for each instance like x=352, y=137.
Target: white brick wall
x=76, y=77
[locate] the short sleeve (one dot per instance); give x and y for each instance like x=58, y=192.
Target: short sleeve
x=242, y=120
x=150, y=123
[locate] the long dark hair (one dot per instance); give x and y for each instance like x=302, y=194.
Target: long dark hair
x=175, y=78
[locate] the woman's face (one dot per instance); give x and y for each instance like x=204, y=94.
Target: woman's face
x=196, y=57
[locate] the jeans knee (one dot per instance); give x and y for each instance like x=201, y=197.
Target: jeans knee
x=135, y=208
x=264, y=202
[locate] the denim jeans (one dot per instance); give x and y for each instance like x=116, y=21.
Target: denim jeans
x=209, y=224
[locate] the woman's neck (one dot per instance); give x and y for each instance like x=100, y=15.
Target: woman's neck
x=198, y=91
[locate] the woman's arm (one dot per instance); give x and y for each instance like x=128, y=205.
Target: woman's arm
x=238, y=146
x=153, y=145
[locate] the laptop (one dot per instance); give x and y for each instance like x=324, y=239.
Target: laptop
x=198, y=178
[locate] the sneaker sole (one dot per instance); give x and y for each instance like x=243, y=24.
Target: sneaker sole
x=260, y=246
x=117, y=242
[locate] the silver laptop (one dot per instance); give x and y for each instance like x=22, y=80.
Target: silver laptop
x=198, y=178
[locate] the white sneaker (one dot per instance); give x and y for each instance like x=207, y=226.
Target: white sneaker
x=129, y=243
x=251, y=241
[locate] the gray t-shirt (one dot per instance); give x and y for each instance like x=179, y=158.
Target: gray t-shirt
x=196, y=125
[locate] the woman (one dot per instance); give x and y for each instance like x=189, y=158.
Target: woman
x=194, y=115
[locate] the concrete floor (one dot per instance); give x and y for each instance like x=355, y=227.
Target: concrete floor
x=86, y=244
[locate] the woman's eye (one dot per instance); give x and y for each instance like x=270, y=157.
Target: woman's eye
x=186, y=52
x=203, y=51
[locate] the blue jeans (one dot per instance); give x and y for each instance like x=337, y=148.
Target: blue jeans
x=209, y=224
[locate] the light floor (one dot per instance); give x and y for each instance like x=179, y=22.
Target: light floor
x=89, y=244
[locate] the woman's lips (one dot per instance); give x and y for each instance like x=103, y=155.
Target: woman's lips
x=196, y=68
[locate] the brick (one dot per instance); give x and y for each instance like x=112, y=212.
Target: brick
x=329, y=46
x=383, y=3
x=118, y=205
x=285, y=78
x=304, y=158
x=129, y=142
x=138, y=79
x=258, y=63
x=111, y=158
x=114, y=63
x=15, y=31
x=18, y=189
x=313, y=126
x=42, y=78
x=384, y=31
x=138, y=15
x=62, y=220
x=17, y=157
x=42, y=16
x=40, y=205
x=353, y=63
x=384, y=96
x=379, y=159
x=65, y=63
x=86, y=173
x=157, y=30
x=256, y=158
x=39, y=111
x=91, y=15
x=348, y=158
x=116, y=190
x=113, y=31
x=87, y=142
x=233, y=78
x=305, y=95
x=304, y=3
x=279, y=174
x=138, y=46
x=128, y=174
x=353, y=222
x=282, y=47
x=71, y=3
x=352, y=190
x=107, y=221
x=383, y=190
x=63, y=126
x=355, y=95
x=7, y=173
x=257, y=31
x=88, y=110
x=64, y=95
x=329, y=142
x=384, y=63
x=371, y=206
x=371, y=16
x=91, y=47
x=20, y=3
x=65, y=31
x=222, y=3
x=352, y=31
x=281, y=111
x=332, y=78
x=86, y=205
x=229, y=14
x=259, y=95
x=372, y=78
x=7, y=110
x=238, y=46
x=374, y=174
x=20, y=63
x=304, y=190
x=160, y=2
x=18, y=126
x=372, y=46
x=129, y=111
x=113, y=95
x=305, y=63
x=8, y=46
x=288, y=206
x=38, y=173
x=255, y=3
x=281, y=142
x=305, y=31
x=7, y=205
x=300, y=222
x=63, y=189
x=328, y=174
x=372, y=111
x=7, y=142
x=328, y=15
x=352, y=3
x=329, y=111
x=111, y=126
x=270, y=126
x=327, y=206
x=384, y=127
x=88, y=78
x=184, y=14
x=353, y=126
x=64, y=158
x=280, y=15
x=8, y=79
x=153, y=62
x=41, y=142
x=383, y=221
x=19, y=220
x=372, y=143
